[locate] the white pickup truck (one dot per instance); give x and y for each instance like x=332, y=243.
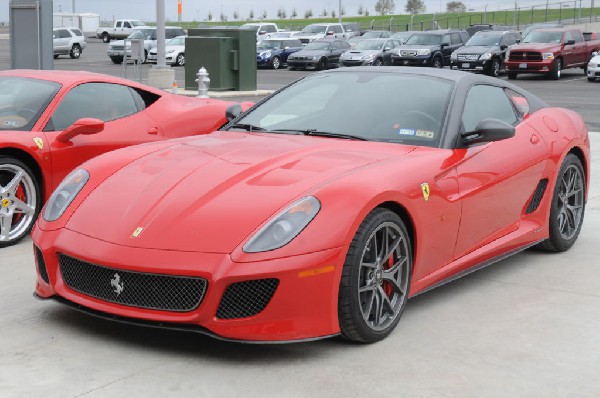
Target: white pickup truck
x=120, y=30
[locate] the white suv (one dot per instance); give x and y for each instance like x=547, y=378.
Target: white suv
x=318, y=31
x=68, y=41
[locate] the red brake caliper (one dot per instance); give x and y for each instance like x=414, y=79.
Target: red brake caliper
x=387, y=286
x=19, y=194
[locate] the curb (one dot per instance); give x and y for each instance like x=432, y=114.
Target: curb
x=225, y=94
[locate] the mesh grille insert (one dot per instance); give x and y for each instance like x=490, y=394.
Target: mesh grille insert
x=537, y=196
x=41, y=264
x=137, y=289
x=248, y=298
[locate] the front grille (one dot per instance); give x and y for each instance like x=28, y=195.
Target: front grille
x=537, y=196
x=467, y=57
x=406, y=53
x=248, y=298
x=136, y=289
x=352, y=63
x=305, y=41
x=528, y=56
x=118, y=48
x=41, y=264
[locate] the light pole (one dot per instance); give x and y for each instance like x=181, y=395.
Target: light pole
x=340, y=12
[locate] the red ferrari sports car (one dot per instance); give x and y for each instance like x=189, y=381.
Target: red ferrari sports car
x=317, y=213
x=52, y=121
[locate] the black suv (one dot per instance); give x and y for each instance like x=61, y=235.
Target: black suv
x=432, y=48
x=484, y=52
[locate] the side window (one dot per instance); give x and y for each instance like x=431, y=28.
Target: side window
x=77, y=32
x=485, y=102
x=126, y=25
x=64, y=34
x=578, y=37
x=465, y=37
x=337, y=29
x=446, y=39
x=509, y=39
x=271, y=28
x=455, y=37
x=102, y=101
x=55, y=34
x=520, y=102
x=118, y=24
x=568, y=36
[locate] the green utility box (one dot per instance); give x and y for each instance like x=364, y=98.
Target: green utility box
x=228, y=54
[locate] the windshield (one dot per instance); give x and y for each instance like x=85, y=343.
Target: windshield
x=137, y=23
x=22, y=101
x=314, y=29
x=250, y=27
x=334, y=103
x=540, y=36
x=176, y=41
x=270, y=45
x=144, y=34
x=484, y=40
x=371, y=35
x=370, y=45
x=317, y=45
x=427, y=40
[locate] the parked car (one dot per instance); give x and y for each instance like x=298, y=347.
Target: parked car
x=431, y=48
x=120, y=29
x=474, y=28
x=351, y=29
x=535, y=26
x=320, y=31
x=263, y=30
x=376, y=52
x=485, y=52
x=174, y=52
x=549, y=51
x=593, y=67
x=402, y=36
x=117, y=49
x=320, y=212
x=52, y=121
x=318, y=54
x=369, y=34
x=283, y=34
x=68, y=41
x=273, y=53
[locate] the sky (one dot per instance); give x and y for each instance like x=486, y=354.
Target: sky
x=199, y=9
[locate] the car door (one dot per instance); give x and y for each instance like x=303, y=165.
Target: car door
x=570, y=54
x=120, y=107
x=62, y=43
x=497, y=179
x=388, y=48
x=580, y=48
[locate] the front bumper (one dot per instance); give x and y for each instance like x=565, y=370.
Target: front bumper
x=593, y=72
x=304, y=64
x=419, y=60
x=352, y=62
x=169, y=59
x=474, y=66
x=544, y=66
x=303, y=306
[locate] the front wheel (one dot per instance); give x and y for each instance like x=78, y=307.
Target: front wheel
x=376, y=278
x=512, y=75
x=105, y=38
x=438, y=62
x=568, y=206
x=494, y=68
x=555, y=73
x=20, y=200
x=180, y=60
x=116, y=60
x=591, y=79
x=378, y=62
x=275, y=63
x=322, y=64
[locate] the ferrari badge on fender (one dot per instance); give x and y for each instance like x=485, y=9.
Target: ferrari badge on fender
x=425, y=189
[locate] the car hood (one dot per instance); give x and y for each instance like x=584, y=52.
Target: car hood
x=209, y=194
x=595, y=59
x=477, y=49
x=550, y=47
x=418, y=47
x=309, y=53
x=359, y=53
x=168, y=48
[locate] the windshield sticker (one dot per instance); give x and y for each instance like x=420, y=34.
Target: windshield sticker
x=11, y=123
x=425, y=134
x=407, y=132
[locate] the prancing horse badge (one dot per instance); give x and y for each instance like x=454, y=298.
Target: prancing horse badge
x=425, y=189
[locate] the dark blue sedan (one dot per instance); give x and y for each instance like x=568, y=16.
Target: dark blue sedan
x=272, y=53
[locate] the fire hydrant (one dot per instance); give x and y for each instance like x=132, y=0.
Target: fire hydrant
x=203, y=83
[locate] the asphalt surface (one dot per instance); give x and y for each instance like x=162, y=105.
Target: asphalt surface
x=524, y=327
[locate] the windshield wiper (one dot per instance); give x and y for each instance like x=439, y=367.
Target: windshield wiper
x=247, y=127
x=324, y=134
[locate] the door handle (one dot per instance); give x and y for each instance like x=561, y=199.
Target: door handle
x=153, y=131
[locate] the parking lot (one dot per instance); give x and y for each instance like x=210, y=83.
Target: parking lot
x=525, y=327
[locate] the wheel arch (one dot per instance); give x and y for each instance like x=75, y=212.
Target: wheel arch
x=577, y=151
x=403, y=213
x=30, y=161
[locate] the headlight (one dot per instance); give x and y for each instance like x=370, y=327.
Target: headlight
x=62, y=197
x=485, y=56
x=507, y=56
x=591, y=65
x=170, y=51
x=548, y=55
x=285, y=226
x=453, y=55
x=368, y=57
x=314, y=57
x=423, y=52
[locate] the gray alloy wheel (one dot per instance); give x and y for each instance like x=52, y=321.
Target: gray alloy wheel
x=376, y=278
x=378, y=62
x=75, y=51
x=322, y=64
x=180, y=60
x=437, y=62
x=105, y=38
x=494, y=68
x=20, y=200
x=568, y=206
x=275, y=63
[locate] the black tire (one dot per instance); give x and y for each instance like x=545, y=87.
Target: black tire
x=378, y=62
x=366, y=288
x=556, y=68
x=55, y=56
x=19, y=205
x=117, y=60
x=75, y=51
x=437, y=62
x=275, y=63
x=322, y=64
x=494, y=68
x=566, y=216
x=591, y=79
x=512, y=75
x=180, y=60
x=105, y=38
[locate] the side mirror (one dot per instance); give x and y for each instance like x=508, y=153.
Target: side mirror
x=330, y=33
x=488, y=130
x=233, y=111
x=570, y=42
x=503, y=47
x=594, y=53
x=518, y=41
x=84, y=126
x=445, y=44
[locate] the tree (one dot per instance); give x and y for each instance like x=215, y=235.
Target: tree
x=294, y=13
x=222, y=17
x=384, y=7
x=251, y=15
x=343, y=11
x=283, y=14
x=210, y=16
x=236, y=15
x=361, y=10
x=308, y=13
x=415, y=7
x=366, y=12
x=264, y=15
x=332, y=13
x=456, y=6
x=279, y=13
x=324, y=13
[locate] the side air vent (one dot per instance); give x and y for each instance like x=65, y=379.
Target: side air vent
x=244, y=299
x=41, y=264
x=537, y=196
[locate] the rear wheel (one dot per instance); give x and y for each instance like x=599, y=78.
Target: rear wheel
x=376, y=278
x=275, y=63
x=568, y=206
x=105, y=38
x=75, y=51
x=512, y=75
x=20, y=200
x=555, y=73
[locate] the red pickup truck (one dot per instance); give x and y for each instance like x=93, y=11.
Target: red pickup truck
x=548, y=51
